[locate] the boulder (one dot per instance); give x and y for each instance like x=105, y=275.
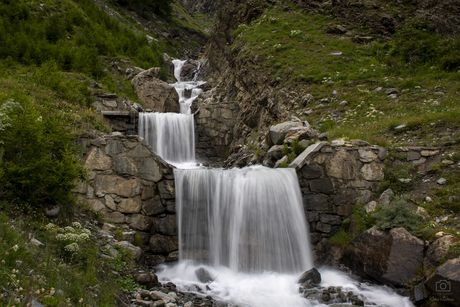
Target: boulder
x=154, y=93
x=97, y=160
x=342, y=165
x=278, y=132
x=390, y=257
x=373, y=171
x=167, y=225
x=299, y=134
x=124, y=166
x=140, y=222
x=284, y=159
x=52, y=211
x=203, y=275
x=437, y=252
x=311, y=275
x=445, y=282
x=275, y=152
x=129, y=205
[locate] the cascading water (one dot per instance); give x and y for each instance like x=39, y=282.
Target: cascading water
x=171, y=135
x=246, y=226
x=249, y=220
x=185, y=87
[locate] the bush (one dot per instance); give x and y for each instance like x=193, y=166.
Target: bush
x=396, y=214
x=40, y=163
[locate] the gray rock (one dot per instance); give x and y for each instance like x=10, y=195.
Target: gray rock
x=203, y=275
x=400, y=127
x=386, y=197
x=284, y=159
x=331, y=219
x=371, y=206
x=124, y=166
x=114, y=217
x=413, y=155
x=323, y=136
x=278, y=132
x=150, y=170
x=324, y=185
x=391, y=91
x=95, y=205
x=420, y=294
x=342, y=165
x=31, y=301
x=326, y=228
x=307, y=99
x=343, y=103
x=393, y=257
x=299, y=134
x=113, y=147
x=441, y=181
x=366, y=156
x=437, y=252
x=275, y=152
x=158, y=295
x=153, y=206
x=312, y=275
x=167, y=190
x=129, y=205
x=148, y=279
x=163, y=244
x=109, y=203
x=52, y=211
x=373, y=171
x=167, y=225
x=97, y=160
x=139, y=222
x=445, y=282
x=154, y=93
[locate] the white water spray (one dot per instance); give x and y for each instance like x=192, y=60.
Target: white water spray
x=184, y=88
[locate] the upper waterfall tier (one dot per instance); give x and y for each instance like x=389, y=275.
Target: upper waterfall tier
x=250, y=220
x=171, y=135
x=188, y=91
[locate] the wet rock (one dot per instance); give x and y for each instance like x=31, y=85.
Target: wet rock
x=203, y=275
x=312, y=275
x=158, y=295
x=420, y=294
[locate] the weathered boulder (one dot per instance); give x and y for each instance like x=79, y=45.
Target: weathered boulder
x=97, y=160
x=124, y=166
x=342, y=166
x=373, y=171
x=140, y=222
x=445, y=282
x=437, y=252
x=129, y=205
x=392, y=257
x=299, y=134
x=154, y=93
x=278, y=132
x=167, y=225
x=153, y=206
x=386, y=197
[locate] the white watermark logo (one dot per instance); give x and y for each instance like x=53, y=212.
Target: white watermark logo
x=443, y=286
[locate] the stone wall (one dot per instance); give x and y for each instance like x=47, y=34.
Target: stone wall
x=214, y=125
x=130, y=184
x=334, y=178
x=122, y=114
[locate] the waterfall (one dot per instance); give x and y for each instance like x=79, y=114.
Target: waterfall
x=186, y=88
x=171, y=135
x=250, y=220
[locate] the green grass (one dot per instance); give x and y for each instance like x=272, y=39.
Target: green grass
x=295, y=50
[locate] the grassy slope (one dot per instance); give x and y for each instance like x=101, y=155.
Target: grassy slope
x=294, y=48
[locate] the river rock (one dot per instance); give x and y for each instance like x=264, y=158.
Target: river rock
x=154, y=93
x=278, y=132
x=312, y=275
x=445, y=282
x=203, y=275
x=393, y=257
x=437, y=252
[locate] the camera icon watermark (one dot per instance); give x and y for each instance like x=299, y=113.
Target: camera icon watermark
x=443, y=286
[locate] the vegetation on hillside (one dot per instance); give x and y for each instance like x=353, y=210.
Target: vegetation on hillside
x=296, y=50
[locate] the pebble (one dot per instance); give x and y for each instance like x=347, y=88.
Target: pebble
x=441, y=181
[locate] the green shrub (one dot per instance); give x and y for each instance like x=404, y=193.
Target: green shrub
x=40, y=162
x=341, y=238
x=297, y=148
x=396, y=214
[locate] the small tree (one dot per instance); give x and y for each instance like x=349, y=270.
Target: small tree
x=396, y=214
